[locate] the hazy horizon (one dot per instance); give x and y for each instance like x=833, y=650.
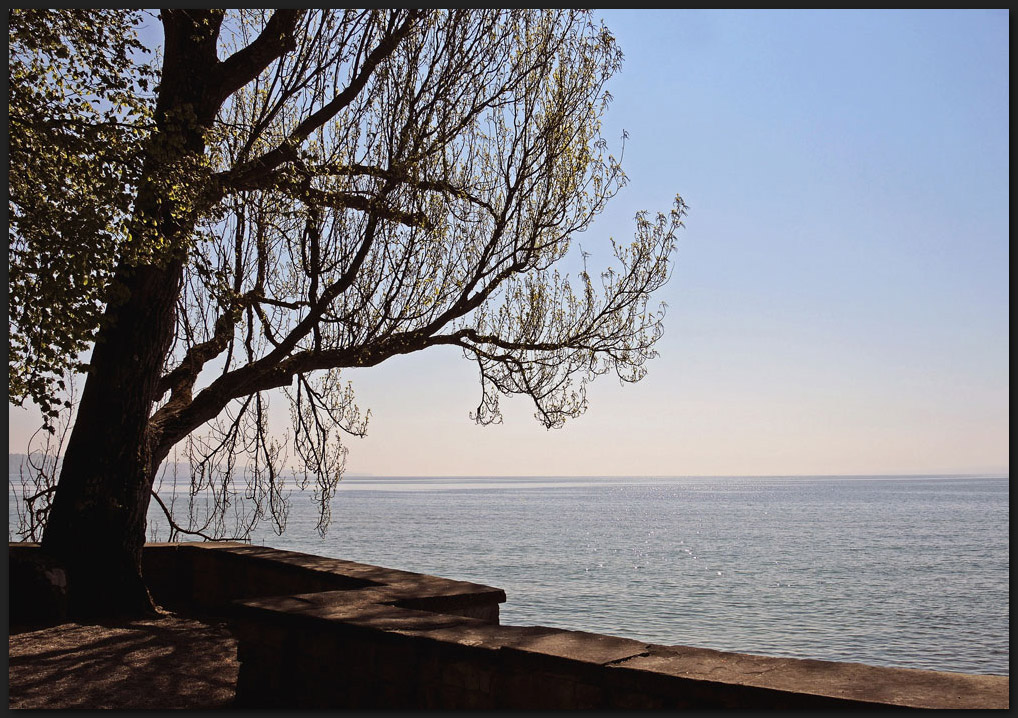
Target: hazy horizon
x=990, y=473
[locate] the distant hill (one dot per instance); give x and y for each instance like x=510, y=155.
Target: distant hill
x=15, y=462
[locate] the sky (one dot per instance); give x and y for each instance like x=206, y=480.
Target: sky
x=839, y=302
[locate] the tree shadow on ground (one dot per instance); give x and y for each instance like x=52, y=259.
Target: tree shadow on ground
x=160, y=663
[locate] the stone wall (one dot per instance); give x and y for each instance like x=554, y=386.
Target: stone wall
x=208, y=576
x=315, y=632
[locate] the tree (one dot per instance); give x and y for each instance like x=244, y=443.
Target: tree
x=340, y=188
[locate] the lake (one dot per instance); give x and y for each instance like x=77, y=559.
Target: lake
x=893, y=571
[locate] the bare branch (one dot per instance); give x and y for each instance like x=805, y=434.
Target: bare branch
x=176, y=528
x=246, y=176
x=244, y=65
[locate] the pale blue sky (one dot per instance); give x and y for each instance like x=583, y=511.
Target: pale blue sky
x=839, y=303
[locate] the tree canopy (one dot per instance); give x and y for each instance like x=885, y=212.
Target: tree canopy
x=78, y=110
x=317, y=190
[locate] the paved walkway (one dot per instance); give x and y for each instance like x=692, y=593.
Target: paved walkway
x=167, y=662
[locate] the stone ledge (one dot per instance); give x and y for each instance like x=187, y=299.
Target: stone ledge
x=829, y=682
x=535, y=666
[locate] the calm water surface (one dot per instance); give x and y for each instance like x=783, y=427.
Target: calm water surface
x=881, y=570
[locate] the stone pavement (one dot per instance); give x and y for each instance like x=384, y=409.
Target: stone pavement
x=170, y=661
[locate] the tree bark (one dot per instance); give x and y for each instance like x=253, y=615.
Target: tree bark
x=96, y=527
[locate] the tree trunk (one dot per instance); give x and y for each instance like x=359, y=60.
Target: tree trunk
x=96, y=527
